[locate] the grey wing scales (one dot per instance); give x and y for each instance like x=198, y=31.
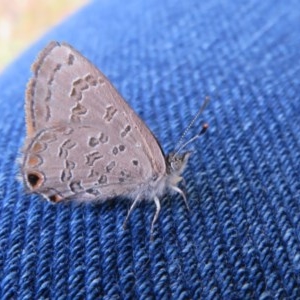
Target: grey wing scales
x=68, y=91
x=81, y=160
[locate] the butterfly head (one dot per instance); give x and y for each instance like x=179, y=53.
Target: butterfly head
x=177, y=162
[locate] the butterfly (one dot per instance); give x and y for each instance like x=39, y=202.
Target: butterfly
x=84, y=142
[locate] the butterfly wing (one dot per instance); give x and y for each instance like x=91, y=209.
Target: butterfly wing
x=78, y=125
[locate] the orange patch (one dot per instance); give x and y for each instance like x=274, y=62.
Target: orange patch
x=34, y=161
x=38, y=147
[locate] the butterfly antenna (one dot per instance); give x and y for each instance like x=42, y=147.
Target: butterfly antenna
x=202, y=131
x=180, y=144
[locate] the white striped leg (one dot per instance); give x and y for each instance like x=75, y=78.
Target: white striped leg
x=179, y=191
x=157, y=203
x=132, y=207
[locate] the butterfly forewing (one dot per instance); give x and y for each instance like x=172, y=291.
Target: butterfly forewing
x=82, y=137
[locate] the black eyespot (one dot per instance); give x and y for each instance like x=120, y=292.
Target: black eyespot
x=54, y=198
x=35, y=180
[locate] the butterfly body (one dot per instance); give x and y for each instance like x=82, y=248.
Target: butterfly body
x=84, y=142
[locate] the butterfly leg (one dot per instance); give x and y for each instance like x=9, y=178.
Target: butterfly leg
x=157, y=203
x=132, y=207
x=179, y=191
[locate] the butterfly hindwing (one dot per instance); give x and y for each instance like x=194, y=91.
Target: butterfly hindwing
x=75, y=159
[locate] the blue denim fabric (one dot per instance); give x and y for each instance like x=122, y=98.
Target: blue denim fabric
x=240, y=239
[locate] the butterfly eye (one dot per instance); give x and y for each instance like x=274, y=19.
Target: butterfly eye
x=35, y=180
x=175, y=165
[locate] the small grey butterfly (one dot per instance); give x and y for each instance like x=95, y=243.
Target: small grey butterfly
x=84, y=142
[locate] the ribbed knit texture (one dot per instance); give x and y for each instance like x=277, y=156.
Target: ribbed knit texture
x=241, y=238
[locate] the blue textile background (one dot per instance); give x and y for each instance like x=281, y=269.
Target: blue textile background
x=241, y=239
